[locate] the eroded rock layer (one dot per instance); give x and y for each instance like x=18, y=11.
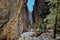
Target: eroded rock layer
x=25, y=16
x=9, y=12
x=40, y=10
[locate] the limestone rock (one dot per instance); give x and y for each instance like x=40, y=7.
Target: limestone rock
x=40, y=10
x=44, y=36
x=25, y=16
x=9, y=12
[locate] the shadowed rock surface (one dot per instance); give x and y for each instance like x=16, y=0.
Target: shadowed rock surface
x=25, y=16
x=40, y=10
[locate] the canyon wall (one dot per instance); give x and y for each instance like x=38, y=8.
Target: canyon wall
x=9, y=12
x=25, y=16
x=40, y=10
x=14, y=18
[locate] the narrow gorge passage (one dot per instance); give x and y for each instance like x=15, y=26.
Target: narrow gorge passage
x=29, y=19
x=30, y=5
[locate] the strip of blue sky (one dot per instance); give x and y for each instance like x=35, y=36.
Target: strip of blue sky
x=30, y=5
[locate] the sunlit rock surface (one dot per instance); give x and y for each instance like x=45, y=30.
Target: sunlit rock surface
x=43, y=36
x=9, y=12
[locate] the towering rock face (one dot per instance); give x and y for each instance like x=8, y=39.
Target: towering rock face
x=9, y=12
x=40, y=10
x=13, y=18
x=25, y=16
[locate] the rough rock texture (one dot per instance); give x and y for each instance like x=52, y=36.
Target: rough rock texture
x=9, y=12
x=39, y=11
x=44, y=36
x=25, y=16
x=13, y=18
x=29, y=36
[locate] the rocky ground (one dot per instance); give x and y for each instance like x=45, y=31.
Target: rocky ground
x=44, y=36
